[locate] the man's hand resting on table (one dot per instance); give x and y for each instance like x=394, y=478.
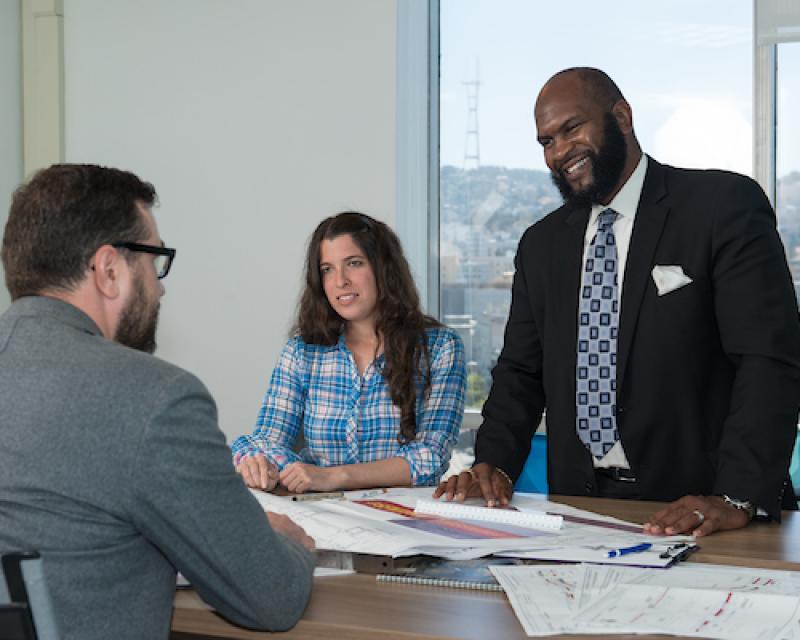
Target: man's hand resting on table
x=482, y=480
x=698, y=515
x=283, y=524
x=258, y=472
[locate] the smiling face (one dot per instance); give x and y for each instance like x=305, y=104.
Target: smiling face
x=348, y=279
x=588, y=145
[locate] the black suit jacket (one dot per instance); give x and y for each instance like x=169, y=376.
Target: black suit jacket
x=708, y=376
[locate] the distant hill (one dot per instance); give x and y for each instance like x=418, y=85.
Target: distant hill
x=499, y=200
x=502, y=202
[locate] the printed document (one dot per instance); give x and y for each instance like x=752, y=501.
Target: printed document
x=384, y=523
x=699, y=600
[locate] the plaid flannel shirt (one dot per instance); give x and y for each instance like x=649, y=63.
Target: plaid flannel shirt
x=349, y=418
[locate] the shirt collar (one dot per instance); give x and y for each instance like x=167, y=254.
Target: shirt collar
x=626, y=201
x=342, y=346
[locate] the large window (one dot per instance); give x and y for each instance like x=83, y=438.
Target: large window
x=685, y=67
x=787, y=166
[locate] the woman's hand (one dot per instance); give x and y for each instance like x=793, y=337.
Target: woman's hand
x=258, y=472
x=299, y=477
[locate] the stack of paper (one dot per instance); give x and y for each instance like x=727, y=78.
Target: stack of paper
x=704, y=601
x=390, y=522
x=588, y=537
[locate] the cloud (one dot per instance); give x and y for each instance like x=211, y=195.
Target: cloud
x=706, y=134
x=696, y=36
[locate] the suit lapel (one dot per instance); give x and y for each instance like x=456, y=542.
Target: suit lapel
x=647, y=228
x=569, y=279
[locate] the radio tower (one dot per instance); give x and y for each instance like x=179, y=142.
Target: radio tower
x=472, y=143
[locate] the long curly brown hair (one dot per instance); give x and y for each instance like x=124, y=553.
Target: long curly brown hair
x=399, y=322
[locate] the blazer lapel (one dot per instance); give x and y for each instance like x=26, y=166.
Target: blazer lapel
x=569, y=280
x=576, y=232
x=647, y=227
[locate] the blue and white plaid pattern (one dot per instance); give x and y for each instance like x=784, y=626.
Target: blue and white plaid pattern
x=598, y=315
x=347, y=418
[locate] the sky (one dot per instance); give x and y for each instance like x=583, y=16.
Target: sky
x=684, y=66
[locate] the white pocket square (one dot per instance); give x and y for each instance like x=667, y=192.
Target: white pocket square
x=669, y=277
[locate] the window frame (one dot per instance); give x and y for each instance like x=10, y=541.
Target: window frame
x=417, y=144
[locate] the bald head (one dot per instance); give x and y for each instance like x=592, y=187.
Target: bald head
x=591, y=84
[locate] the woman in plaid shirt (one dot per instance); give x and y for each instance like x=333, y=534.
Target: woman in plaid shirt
x=374, y=386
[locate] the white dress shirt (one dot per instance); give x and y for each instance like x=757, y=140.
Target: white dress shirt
x=625, y=204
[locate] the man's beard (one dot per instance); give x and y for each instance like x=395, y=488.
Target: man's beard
x=607, y=167
x=138, y=322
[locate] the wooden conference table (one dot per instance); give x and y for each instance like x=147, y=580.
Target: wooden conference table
x=355, y=607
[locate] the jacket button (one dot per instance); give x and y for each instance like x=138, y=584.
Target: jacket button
x=589, y=487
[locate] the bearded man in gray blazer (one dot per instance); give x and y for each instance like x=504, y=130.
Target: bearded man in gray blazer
x=112, y=464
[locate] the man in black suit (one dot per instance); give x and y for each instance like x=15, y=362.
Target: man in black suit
x=653, y=316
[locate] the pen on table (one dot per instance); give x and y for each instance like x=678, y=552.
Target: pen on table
x=626, y=550
x=303, y=497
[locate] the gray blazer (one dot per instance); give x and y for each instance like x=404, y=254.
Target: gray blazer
x=113, y=467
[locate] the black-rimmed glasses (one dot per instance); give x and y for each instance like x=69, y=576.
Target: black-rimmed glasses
x=163, y=255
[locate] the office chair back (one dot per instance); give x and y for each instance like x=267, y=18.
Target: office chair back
x=25, y=609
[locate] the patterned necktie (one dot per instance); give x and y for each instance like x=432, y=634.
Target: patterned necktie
x=598, y=319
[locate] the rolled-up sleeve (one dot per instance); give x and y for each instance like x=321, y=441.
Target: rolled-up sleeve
x=281, y=416
x=440, y=414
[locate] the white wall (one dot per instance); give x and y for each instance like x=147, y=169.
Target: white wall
x=254, y=119
x=10, y=114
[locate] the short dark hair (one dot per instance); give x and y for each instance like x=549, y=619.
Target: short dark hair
x=62, y=216
x=600, y=87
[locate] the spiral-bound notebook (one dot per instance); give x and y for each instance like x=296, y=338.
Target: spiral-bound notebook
x=457, y=574
x=530, y=519
x=439, y=582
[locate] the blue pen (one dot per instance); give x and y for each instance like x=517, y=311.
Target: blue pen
x=645, y=546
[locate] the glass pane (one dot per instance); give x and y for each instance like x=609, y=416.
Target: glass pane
x=685, y=67
x=787, y=172
x=160, y=263
x=787, y=168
